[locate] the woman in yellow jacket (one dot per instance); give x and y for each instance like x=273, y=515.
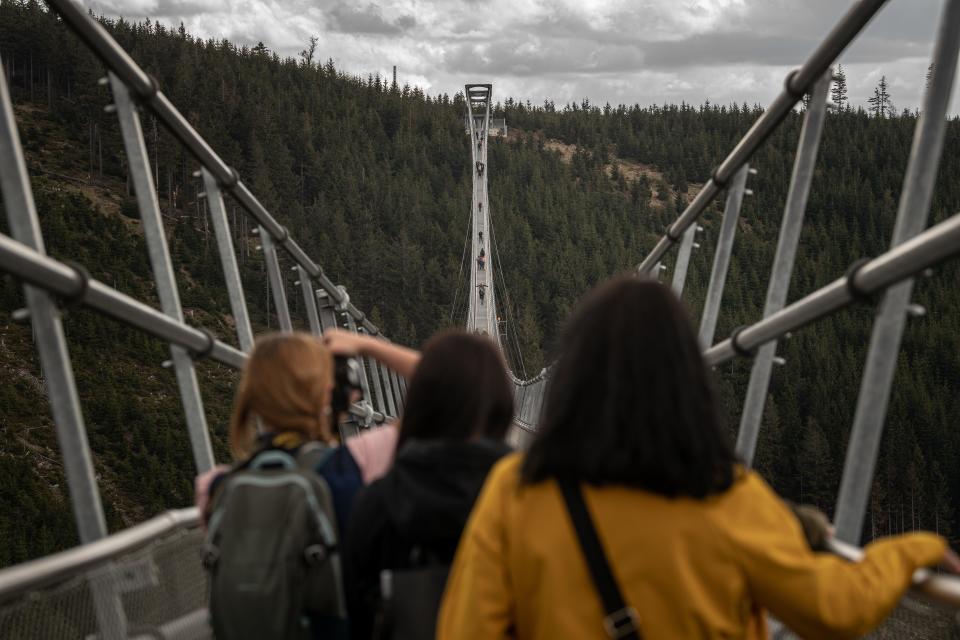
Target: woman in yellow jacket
x=698, y=547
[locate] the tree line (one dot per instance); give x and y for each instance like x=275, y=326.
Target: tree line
x=374, y=181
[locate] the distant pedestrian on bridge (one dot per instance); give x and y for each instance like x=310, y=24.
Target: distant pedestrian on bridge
x=482, y=288
x=481, y=262
x=629, y=515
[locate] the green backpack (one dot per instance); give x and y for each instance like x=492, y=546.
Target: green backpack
x=271, y=551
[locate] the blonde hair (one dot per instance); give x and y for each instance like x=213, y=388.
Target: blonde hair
x=286, y=383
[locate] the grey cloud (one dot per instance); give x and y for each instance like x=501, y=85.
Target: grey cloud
x=368, y=20
x=651, y=50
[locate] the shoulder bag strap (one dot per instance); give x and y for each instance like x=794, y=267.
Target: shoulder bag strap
x=621, y=621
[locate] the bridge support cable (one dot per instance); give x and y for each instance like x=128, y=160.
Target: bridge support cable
x=795, y=86
x=152, y=222
x=914, y=208
x=782, y=271
x=463, y=257
x=511, y=318
x=228, y=259
x=721, y=257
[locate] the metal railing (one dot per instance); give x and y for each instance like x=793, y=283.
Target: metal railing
x=153, y=567
x=889, y=275
x=49, y=283
x=109, y=569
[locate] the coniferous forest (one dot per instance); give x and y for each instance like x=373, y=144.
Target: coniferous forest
x=373, y=179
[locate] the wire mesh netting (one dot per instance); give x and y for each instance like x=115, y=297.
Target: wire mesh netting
x=141, y=594
x=913, y=619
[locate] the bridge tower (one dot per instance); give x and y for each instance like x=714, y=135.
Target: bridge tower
x=482, y=310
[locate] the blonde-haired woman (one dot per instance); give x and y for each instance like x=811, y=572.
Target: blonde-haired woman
x=286, y=387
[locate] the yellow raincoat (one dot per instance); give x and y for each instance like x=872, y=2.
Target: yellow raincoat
x=691, y=568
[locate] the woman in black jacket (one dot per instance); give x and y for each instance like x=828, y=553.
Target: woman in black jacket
x=459, y=407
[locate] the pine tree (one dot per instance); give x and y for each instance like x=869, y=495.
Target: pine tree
x=929, y=75
x=839, y=91
x=880, y=104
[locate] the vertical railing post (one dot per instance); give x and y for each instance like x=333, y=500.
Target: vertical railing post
x=721, y=258
x=228, y=259
x=142, y=179
x=912, y=214
x=60, y=385
x=397, y=391
x=364, y=383
x=327, y=310
x=379, y=401
x=309, y=300
x=683, y=259
x=276, y=280
x=790, y=228
x=389, y=393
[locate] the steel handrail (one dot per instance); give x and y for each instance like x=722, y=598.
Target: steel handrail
x=149, y=94
x=68, y=282
x=944, y=589
x=795, y=85
x=44, y=571
x=863, y=279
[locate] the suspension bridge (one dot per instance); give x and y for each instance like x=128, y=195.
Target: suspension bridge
x=147, y=581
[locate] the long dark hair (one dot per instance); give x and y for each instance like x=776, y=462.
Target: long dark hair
x=630, y=400
x=460, y=391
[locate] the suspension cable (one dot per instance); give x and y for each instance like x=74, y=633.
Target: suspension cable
x=506, y=295
x=456, y=289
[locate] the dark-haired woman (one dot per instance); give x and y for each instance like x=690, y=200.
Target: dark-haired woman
x=697, y=546
x=458, y=409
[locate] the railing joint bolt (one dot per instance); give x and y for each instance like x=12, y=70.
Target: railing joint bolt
x=110, y=108
x=20, y=315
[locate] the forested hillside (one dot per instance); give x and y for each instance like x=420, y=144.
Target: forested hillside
x=374, y=181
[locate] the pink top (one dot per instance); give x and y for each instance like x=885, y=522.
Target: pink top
x=373, y=450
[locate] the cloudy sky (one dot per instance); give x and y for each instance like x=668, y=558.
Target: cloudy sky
x=617, y=51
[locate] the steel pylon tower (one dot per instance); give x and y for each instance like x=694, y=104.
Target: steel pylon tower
x=482, y=312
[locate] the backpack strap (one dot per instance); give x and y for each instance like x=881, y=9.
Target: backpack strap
x=272, y=458
x=621, y=620
x=313, y=455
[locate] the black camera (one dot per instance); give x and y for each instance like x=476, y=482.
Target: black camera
x=346, y=380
